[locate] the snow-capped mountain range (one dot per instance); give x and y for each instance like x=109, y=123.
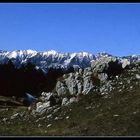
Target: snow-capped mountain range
x=47, y=59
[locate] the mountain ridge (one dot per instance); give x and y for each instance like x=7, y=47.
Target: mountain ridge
x=54, y=59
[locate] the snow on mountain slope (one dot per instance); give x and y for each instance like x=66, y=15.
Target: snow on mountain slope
x=47, y=59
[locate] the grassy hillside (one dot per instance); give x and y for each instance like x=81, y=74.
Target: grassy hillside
x=115, y=115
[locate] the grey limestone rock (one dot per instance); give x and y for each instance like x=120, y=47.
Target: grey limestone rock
x=103, y=77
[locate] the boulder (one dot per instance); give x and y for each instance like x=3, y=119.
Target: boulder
x=58, y=85
x=110, y=65
x=15, y=116
x=42, y=107
x=62, y=91
x=102, y=77
x=38, y=104
x=73, y=99
x=64, y=101
x=87, y=83
x=125, y=63
x=44, y=94
x=137, y=76
x=72, y=84
x=80, y=87
x=48, y=96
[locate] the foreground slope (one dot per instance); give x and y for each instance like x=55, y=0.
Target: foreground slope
x=113, y=112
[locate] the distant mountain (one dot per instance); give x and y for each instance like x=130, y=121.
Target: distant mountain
x=132, y=58
x=53, y=59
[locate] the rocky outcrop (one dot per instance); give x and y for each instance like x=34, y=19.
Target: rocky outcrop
x=101, y=65
x=46, y=101
x=85, y=81
x=109, y=65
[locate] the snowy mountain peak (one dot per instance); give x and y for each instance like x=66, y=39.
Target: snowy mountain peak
x=53, y=52
x=13, y=54
x=31, y=52
x=47, y=59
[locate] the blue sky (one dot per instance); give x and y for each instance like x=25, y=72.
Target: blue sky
x=113, y=28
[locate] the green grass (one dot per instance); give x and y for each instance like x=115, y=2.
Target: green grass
x=99, y=120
